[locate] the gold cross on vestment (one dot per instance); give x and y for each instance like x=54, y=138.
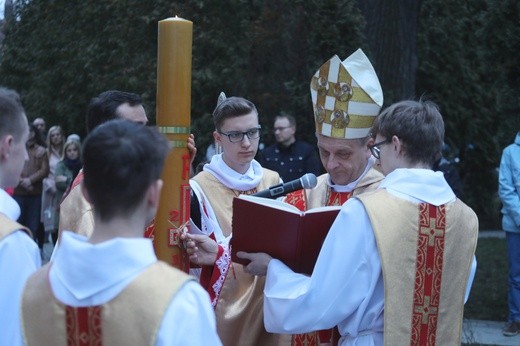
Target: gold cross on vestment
x=431, y=231
x=425, y=310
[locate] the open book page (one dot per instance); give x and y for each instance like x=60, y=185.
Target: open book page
x=272, y=203
x=278, y=204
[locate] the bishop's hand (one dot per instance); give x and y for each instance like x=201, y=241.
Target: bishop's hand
x=259, y=262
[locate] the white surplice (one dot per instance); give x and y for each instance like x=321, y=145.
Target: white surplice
x=346, y=287
x=19, y=258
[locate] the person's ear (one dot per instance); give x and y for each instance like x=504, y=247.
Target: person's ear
x=85, y=192
x=6, y=144
x=217, y=137
x=369, y=143
x=154, y=193
x=397, y=144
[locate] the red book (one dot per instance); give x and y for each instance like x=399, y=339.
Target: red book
x=280, y=230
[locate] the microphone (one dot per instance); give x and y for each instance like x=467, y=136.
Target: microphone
x=308, y=181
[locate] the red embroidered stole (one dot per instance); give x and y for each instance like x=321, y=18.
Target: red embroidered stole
x=299, y=198
x=83, y=326
x=428, y=273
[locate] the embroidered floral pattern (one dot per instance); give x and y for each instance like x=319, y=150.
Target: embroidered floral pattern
x=222, y=263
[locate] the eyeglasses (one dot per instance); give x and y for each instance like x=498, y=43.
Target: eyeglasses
x=237, y=136
x=376, y=150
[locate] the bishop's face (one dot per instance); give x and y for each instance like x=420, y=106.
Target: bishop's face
x=344, y=159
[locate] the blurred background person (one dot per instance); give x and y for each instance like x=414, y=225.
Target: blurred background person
x=55, y=145
x=66, y=171
x=290, y=157
x=74, y=137
x=41, y=125
x=449, y=169
x=509, y=192
x=28, y=193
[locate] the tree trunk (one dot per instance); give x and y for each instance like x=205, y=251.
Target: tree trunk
x=391, y=32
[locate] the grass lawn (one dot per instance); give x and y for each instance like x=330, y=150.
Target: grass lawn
x=488, y=297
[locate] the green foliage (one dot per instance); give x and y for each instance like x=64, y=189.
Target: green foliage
x=465, y=51
x=266, y=53
x=63, y=52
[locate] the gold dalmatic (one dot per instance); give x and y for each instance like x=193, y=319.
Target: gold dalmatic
x=133, y=317
x=426, y=255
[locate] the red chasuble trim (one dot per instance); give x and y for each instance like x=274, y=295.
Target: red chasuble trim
x=297, y=199
x=83, y=326
x=428, y=273
x=77, y=180
x=337, y=198
x=308, y=339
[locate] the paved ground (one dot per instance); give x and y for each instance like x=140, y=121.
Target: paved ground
x=487, y=333
x=491, y=234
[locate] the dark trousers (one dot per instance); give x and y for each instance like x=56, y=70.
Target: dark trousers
x=31, y=207
x=513, y=255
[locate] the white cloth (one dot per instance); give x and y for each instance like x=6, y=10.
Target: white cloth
x=346, y=287
x=231, y=178
x=85, y=274
x=19, y=258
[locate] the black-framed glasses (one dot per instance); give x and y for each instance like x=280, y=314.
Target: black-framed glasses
x=238, y=136
x=376, y=150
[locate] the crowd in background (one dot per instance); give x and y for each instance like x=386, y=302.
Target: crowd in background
x=54, y=160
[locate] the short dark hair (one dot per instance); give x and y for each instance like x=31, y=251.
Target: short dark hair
x=38, y=138
x=102, y=108
x=418, y=124
x=290, y=118
x=121, y=159
x=230, y=108
x=11, y=114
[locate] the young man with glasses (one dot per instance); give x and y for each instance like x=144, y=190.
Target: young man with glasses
x=290, y=157
x=397, y=264
x=236, y=295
